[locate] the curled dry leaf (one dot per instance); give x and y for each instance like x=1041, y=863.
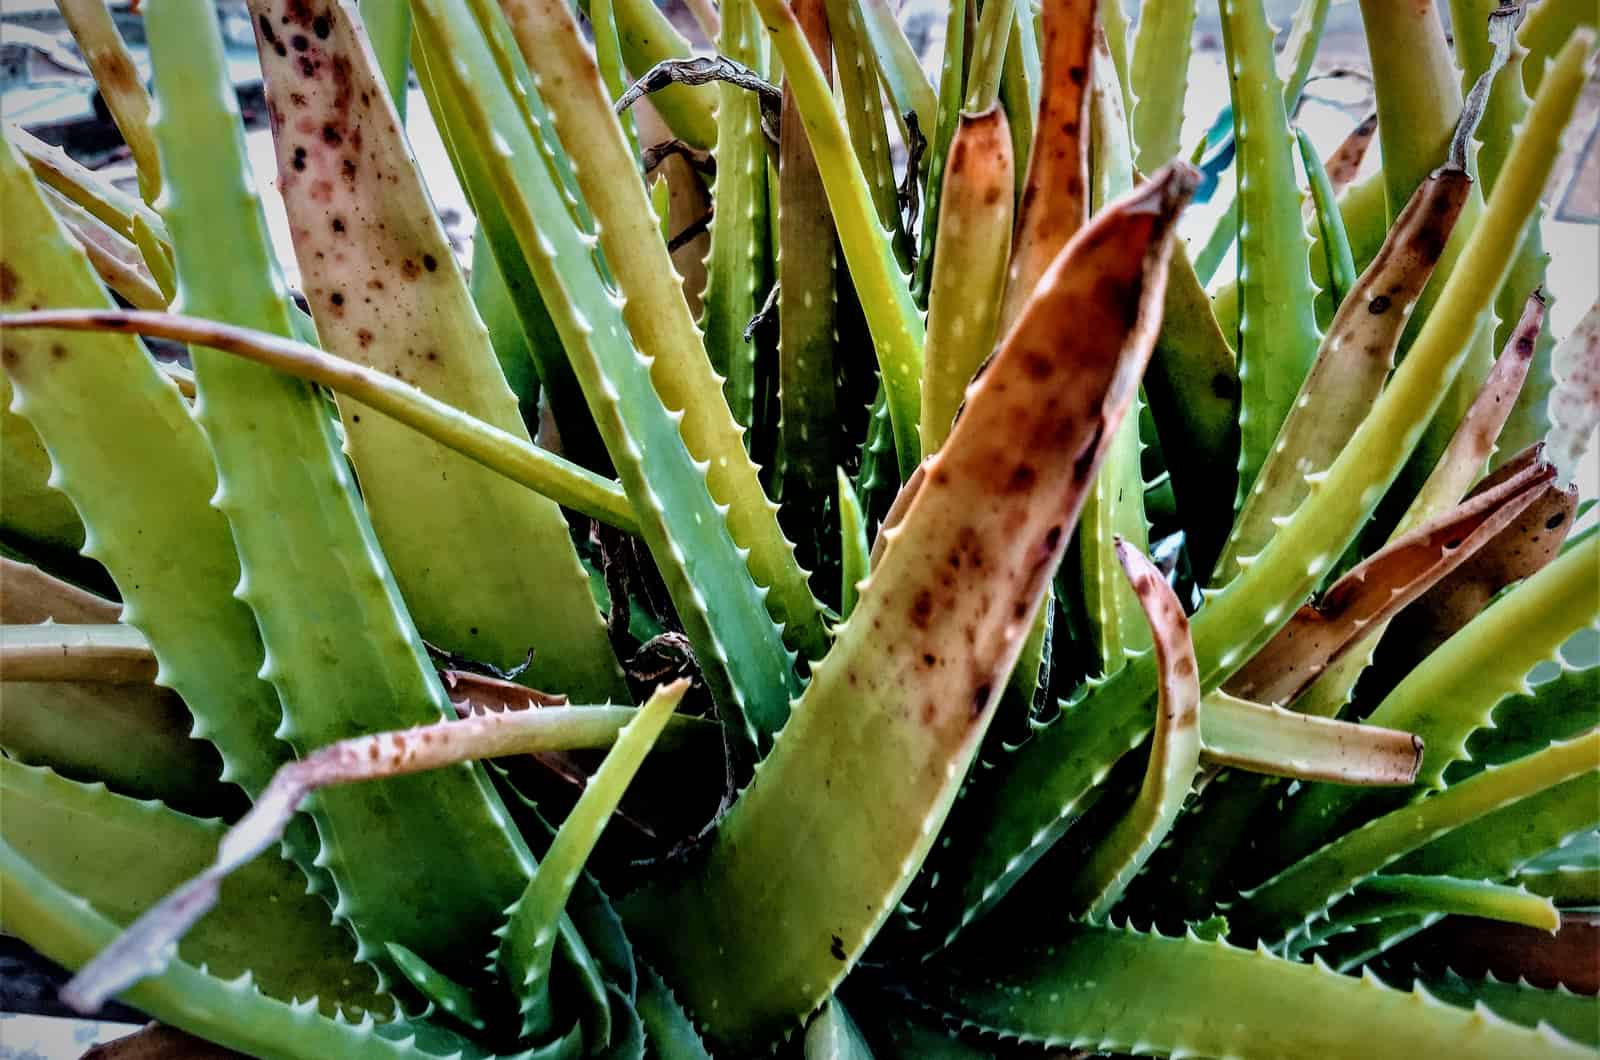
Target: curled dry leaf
x=1378, y=588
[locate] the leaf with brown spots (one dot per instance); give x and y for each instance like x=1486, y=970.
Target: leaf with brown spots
x=746, y=934
x=1377, y=589
x=969, y=269
x=117, y=78
x=357, y=205
x=1055, y=195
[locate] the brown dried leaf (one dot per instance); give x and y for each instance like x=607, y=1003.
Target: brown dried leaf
x=1379, y=587
x=1521, y=549
x=28, y=596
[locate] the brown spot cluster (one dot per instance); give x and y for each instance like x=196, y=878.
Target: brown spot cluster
x=968, y=550
x=1022, y=478
x=921, y=612
x=269, y=36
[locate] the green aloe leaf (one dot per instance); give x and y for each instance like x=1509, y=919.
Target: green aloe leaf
x=808, y=310
x=1452, y=694
x=653, y=307
x=1278, y=333
x=740, y=651
x=737, y=265
x=1573, y=1015
x=121, y=855
x=892, y=317
x=232, y=1013
x=1118, y=990
x=532, y=925
x=141, y=474
x=1282, y=906
x=312, y=572
x=508, y=455
x=1159, y=78
x=833, y=1035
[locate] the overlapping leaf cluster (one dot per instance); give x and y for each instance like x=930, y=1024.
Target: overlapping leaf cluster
x=1039, y=650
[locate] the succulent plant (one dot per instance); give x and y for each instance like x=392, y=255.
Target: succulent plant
x=1036, y=650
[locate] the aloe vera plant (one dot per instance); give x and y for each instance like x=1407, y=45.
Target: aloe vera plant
x=1033, y=651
